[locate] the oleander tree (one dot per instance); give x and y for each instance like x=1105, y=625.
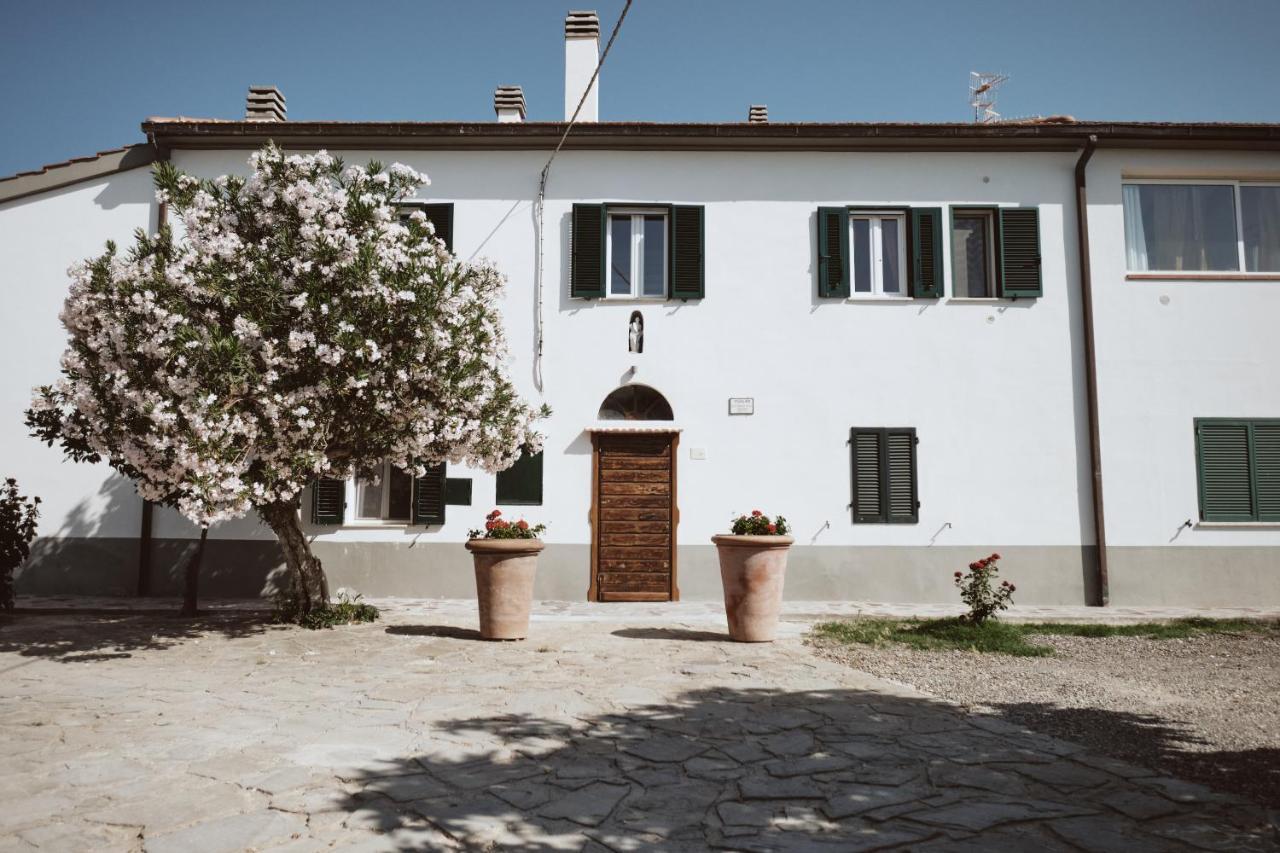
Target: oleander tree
x=293, y=328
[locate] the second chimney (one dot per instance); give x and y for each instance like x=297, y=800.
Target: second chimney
x=264, y=103
x=581, y=54
x=508, y=103
x=758, y=114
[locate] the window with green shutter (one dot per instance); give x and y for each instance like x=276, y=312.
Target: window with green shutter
x=429, y=496
x=926, y=252
x=1238, y=469
x=833, y=252
x=439, y=214
x=1020, y=252
x=884, y=480
x=328, y=501
x=586, y=252
x=521, y=484
x=688, y=246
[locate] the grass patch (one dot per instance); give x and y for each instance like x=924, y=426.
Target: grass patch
x=1013, y=638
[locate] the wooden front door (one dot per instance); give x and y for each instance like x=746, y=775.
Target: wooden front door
x=634, y=516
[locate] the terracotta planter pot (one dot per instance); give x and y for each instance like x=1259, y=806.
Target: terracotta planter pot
x=504, y=585
x=752, y=569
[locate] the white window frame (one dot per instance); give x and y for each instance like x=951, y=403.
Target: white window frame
x=1240, y=271
x=353, y=501
x=875, y=217
x=988, y=215
x=637, y=215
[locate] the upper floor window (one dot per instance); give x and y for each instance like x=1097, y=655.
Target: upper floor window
x=879, y=250
x=1223, y=226
x=973, y=253
x=637, y=253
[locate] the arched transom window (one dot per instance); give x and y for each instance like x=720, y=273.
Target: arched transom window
x=635, y=403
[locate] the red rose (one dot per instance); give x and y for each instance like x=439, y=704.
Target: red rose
x=755, y=513
x=773, y=528
x=522, y=524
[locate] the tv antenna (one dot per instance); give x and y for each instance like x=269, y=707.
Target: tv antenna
x=982, y=95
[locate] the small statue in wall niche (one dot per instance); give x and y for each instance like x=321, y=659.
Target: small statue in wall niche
x=635, y=333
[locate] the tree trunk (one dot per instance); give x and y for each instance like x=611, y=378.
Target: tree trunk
x=191, y=579
x=308, y=587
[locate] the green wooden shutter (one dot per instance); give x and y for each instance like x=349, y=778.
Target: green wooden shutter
x=900, y=501
x=428, y=496
x=1266, y=469
x=688, y=244
x=1222, y=459
x=926, y=252
x=1020, y=252
x=522, y=482
x=586, y=263
x=868, y=475
x=833, y=252
x=328, y=500
x=441, y=216
x=457, y=491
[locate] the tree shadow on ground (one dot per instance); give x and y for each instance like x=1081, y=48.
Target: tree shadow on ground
x=765, y=769
x=86, y=636
x=448, y=631
x=1169, y=746
x=672, y=634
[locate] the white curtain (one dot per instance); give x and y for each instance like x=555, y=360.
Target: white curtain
x=1135, y=236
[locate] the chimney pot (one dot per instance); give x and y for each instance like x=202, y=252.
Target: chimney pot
x=581, y=56
x=264, y=103
x=508, y=103
x=758, y=114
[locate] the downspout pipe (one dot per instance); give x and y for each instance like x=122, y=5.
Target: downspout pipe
x=1103, y=592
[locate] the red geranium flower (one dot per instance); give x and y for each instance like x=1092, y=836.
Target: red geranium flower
x=773, y=528
x=974, y=566
x=488, y=525
x=959, y=574
x=522, y=524
x=755, y=513
x=1012, y=588
x=994, y=557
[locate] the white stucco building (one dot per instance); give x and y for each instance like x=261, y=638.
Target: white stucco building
x=885, y=332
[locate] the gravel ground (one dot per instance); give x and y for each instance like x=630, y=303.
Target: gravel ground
x=1203, y=708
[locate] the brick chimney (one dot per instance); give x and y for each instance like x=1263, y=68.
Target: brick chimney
x=264, y=103
x=581, y=54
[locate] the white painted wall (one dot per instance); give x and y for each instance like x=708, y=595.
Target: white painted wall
x=1210, y=350
x=40, y=236
x=994, y=389
x=991, y=387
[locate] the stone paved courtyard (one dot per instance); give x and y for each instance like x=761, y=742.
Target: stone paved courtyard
x=623, y=729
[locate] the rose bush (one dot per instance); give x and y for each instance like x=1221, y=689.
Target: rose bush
x=975, y=589
x=293, y=328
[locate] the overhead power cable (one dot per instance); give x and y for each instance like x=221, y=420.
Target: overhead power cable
x=542, y=187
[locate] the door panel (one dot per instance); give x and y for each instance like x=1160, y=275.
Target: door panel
x=634, y=518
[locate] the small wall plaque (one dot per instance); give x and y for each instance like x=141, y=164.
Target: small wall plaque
x=742, y=405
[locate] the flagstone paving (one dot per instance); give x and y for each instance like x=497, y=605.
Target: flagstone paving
x=136, y=731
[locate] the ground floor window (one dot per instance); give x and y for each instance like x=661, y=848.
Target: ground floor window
x=885, y=487
x=1238, y=466
x=384, y=494
x=522, y=482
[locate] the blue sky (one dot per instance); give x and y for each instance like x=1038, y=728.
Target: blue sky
x=76, y=77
